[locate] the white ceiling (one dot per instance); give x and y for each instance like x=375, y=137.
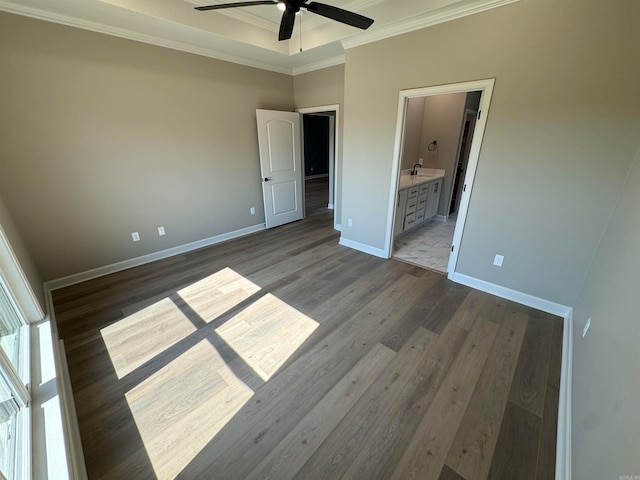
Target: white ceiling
x=248, y=35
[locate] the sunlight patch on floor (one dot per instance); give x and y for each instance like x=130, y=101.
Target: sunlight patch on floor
x=183, y=406
x=141, y=336
x=214, y=295
x=266, y=334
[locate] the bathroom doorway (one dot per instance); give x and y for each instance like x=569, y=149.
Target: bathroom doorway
x=438, y=137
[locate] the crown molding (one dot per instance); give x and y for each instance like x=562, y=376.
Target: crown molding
x=427, y=19
x=138, y=37
x=319, y=65
x=242, y=15
x=255, y=57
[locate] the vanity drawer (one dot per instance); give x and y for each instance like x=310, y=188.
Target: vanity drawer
x=424, y=188
x=420, y=216
x=409, y=221
x=422, y=200
x=412, y=205
x=413, y=191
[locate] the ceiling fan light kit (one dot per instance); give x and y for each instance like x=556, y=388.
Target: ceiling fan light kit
x=291, y=7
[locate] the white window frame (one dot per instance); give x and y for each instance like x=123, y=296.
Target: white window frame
x=19, y=378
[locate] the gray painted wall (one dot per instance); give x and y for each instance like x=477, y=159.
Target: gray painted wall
x=414, y=116
x=443, y=116
x=29, y=270
x=101, y=137
x=606, y=363
x=561, y=129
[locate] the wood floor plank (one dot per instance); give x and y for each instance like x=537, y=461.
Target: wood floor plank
x=421, y=310
x=449, y=301
x=516, y=452
x=394, y=422
x=555, y=354
x=337, y=453
x=425, y=456
x=302, y=385
x=546, y=463
x=530, y=378
x=228, y=358
x=472, y=450
x=449, y=474
x=284, y=461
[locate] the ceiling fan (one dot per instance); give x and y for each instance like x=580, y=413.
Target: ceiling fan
x=291, y=7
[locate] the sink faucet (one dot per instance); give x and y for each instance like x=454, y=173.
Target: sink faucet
x=415, y=170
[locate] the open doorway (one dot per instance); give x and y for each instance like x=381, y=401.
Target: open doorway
x=438, y=141
x=317, y=157
x=320, y=127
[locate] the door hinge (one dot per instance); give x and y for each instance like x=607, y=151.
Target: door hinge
x=479, y=114
x=452, y=246
x=464, y=188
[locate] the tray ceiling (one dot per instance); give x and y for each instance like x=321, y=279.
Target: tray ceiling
x=248, y=35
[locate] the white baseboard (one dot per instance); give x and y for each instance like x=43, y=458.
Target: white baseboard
x=378, y=252
x=514, y=295
x=331, y=206
x=151, y=257
x=563, y=439
x=563, y=445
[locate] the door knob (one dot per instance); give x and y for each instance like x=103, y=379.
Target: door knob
x=266, y=179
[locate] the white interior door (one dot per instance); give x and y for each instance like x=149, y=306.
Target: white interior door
x=281, y=166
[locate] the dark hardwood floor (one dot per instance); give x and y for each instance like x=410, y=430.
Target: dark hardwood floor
x=284, y=355
x=316, y=194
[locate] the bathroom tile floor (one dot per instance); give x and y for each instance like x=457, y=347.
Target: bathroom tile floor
x=428, y=246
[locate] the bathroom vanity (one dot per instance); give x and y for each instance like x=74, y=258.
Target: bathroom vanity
x=418, y=199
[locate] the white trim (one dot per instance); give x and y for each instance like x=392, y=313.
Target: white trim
x=486, y=87
x=330, y=206
x=151, y=257
x=338, y=227
x=427, y=19
x=243, y=16
x=319, y=65
x=563, y=445
x=137, y=36
x=378, y=252
x=513, y=295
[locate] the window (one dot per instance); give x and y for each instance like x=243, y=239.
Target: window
x=14, y=395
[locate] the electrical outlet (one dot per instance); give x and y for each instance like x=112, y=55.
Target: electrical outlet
x=497, y=261
x=586, y=327
x=350, y=222
x=421, y=161
x=160, y=231
x=252, y=210
x=135, y=236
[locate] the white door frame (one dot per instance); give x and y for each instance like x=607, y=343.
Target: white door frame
x=334, y=169
x=486, y=87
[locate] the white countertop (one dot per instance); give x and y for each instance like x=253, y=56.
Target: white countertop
x=424, y=175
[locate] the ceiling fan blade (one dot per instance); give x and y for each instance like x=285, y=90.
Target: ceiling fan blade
x=219, y=6
x=286, y=24
x=340, y=15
